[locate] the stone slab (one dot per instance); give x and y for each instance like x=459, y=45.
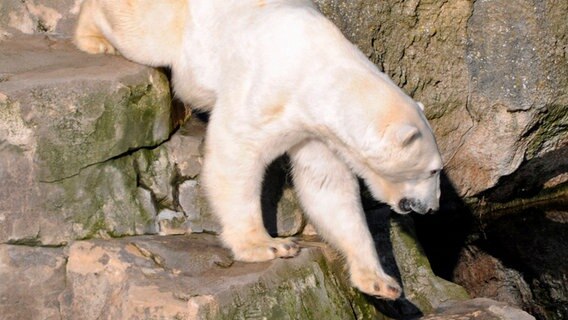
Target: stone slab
x=64, y=113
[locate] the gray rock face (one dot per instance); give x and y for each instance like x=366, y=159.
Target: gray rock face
x=187, y=277
x=521, y=261
x=486, y=276
x=45, y=16
x=87, y=151
x=67, y=125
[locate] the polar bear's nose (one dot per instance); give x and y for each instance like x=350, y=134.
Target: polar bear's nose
x=411, y=204
x=405, y=204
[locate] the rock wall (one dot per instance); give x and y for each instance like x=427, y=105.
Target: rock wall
x=69, y=127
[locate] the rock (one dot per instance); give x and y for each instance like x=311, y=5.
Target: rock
x=171, y=172
x=402, y=257
x=489, y=73
x=520, y=265
x=486, y=276
x=68, y=123
x=185, y=149
x=479, y=309
x=45, y=16
x=171, y=222
x=198, y=214
x=32, y=279
x=156, y=173
x=192, y=277
x=422, y=286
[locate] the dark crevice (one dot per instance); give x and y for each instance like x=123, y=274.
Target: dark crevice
x=127, y=153
x=529, y=179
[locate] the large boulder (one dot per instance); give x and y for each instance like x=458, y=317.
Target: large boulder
x=68, y=126
x=521, y=260
x=479, y=309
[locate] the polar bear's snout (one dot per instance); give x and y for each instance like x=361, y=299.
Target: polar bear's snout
x=411, y=204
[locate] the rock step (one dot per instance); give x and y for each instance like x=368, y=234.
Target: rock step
x=193, y=277
x=172, y=277
x=69, y=128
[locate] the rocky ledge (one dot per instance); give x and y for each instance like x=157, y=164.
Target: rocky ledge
x=192, y=277
x=172, y=277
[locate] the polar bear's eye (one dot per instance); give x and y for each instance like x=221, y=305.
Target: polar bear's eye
x=434, y=172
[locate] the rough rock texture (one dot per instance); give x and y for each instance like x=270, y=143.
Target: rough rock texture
x=68, y=124
x=478, y=309
x=35, y=16
x=521, y=260
x=423, y=287
x=174, y=277
x=86, y=148
x=485, y=276
x=188, y=277
x=32, y=278
x=402, y=257
x=492, y=74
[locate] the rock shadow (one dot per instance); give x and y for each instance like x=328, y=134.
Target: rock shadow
x=378, y=219
x=445, y=233
x=532, y=175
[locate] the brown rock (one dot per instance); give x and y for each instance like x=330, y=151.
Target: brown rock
x=31, y=280
x=486, y=276
x=478, y=309
x=192, y=277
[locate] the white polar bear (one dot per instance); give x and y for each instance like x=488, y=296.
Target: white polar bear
x=279, y=78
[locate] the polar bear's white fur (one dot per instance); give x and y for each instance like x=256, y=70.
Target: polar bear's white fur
x=278, y=77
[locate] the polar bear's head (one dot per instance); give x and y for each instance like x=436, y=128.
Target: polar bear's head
x=401, y=152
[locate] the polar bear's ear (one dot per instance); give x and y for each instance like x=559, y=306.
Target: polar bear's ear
x=406, y=134
x=420, y=105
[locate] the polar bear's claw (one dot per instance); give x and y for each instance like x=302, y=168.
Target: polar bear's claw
x=377, y=284
x=267, y=249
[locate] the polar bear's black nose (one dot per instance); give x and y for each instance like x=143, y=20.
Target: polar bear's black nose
x=404, y=204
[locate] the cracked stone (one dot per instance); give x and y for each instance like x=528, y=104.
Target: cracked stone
x=69, y=123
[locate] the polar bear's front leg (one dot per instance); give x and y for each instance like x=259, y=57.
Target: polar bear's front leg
x=88, y=36
x=329, y=193
x=232, y=177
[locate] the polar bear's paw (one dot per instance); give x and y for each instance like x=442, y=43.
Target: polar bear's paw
x=95, y=45
x=266, y=249
x=376, y=284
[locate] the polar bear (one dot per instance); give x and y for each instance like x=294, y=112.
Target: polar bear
x=280, y=78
